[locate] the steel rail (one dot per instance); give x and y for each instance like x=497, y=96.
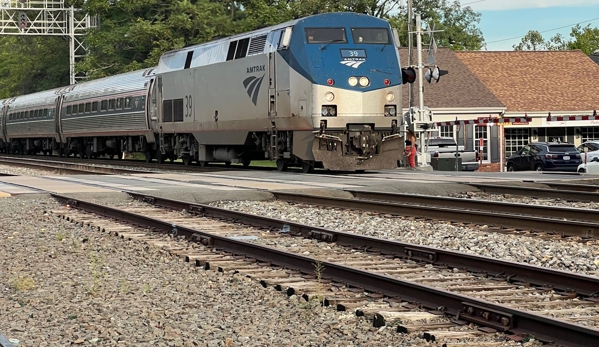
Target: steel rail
x=66, y=167
x=537, y=192
x=567, y=213
x=593, y=188
x=463, y=307
x=4, y=342
x=563, y=227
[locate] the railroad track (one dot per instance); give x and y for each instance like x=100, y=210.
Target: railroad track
x=65, y=167
x=565, y=192
x=438, y=288
x=573, y=186
x=132, y=164
x=499, y=216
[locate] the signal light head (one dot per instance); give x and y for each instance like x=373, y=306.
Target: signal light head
x=408, y=75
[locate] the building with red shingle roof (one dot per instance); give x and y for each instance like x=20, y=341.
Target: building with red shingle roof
x=512, y=84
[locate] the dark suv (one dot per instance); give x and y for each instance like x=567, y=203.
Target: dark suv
x=541, y=156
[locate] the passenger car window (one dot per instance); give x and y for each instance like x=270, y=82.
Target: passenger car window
x=326, y=35
x=370, y=35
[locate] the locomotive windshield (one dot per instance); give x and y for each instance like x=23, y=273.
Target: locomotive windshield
x=326, y=35
x=370, y=35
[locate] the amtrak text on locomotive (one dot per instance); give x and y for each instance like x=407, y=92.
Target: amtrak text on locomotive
x=256, y=68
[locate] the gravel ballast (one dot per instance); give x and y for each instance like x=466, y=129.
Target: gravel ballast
x=62, y=284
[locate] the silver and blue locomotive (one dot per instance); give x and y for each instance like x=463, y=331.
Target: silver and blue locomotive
x=321, y=91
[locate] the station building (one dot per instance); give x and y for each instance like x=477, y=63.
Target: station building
x=508, y=85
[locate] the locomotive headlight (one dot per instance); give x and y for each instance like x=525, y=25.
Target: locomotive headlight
x=352, y=81
x=390, y=111
x=325, y=111
x=390, y=96
x=364, y=81
x=333, y=111
x=329, y=96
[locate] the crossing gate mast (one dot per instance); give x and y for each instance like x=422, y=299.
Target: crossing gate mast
x=48, y=18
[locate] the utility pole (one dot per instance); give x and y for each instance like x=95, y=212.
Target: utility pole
x=410, y=49
x=422, y=153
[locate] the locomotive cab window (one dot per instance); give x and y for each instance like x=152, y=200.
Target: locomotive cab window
x=370, y=35
x=326, y=35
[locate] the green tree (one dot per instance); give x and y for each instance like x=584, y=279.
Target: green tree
x=458, y=24
x=134, y=34
x=586, y=39
x=29, y=64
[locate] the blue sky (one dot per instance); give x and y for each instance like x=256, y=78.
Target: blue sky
x=512, y=19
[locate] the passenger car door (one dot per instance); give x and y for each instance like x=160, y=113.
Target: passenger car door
x=523, y=160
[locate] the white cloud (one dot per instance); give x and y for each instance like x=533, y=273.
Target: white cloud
x=500, y=5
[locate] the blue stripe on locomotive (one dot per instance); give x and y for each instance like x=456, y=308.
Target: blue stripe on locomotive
x=320, y=61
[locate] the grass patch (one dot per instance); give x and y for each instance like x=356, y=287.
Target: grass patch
x=22, y=283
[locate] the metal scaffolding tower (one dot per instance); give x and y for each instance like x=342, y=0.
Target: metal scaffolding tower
x=48, y=18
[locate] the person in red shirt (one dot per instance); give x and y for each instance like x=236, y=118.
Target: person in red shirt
x=410, y=153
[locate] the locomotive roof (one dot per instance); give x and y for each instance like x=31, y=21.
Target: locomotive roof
x=213, y=52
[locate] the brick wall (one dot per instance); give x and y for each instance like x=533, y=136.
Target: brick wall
x=492, y=167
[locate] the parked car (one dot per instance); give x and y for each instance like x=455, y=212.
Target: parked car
x=591, y=167
x=541, y=156
x=446, y=147
x=588, y=150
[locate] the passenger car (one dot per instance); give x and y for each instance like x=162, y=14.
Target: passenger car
x=588, y=150
x=591, y=167
x=540, y=156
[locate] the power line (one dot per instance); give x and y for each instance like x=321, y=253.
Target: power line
x=544, y=31
x=472, y=2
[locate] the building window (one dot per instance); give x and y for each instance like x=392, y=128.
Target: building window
x=446, y=131
x=589, y=133
x=481, y=132
x=515, y=139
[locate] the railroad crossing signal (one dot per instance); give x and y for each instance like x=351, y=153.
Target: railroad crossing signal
x=408, y=75
x=434, y=74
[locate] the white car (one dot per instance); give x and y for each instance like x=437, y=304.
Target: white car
x=591, y=167
x=588, y=151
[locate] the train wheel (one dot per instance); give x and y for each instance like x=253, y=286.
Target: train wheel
x=186, y=159
x=246, y=162
x=159, y=157
x=148, y=155
x=307, y=167
x=281, y=165
x=203, y=163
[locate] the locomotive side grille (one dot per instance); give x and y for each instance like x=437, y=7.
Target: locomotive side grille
x=178, y=110
x=257, y=45
x=167, y=115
